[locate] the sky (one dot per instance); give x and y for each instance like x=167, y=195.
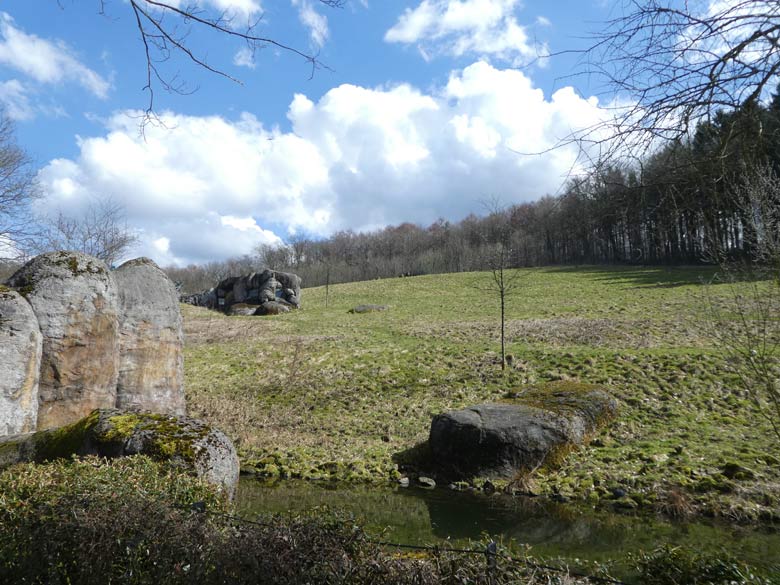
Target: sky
x=418, y=110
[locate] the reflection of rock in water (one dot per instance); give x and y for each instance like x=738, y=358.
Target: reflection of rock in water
x=471, y=515
x=527, y=521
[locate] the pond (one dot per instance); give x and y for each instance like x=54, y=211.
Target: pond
x=419, y=516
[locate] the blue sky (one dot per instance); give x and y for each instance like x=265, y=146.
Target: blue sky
x=420, y=114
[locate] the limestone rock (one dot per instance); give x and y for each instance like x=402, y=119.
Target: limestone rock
x=151, y=362
x=538, y=427
x=75, y=300
x=191, y=443
x=20, y=360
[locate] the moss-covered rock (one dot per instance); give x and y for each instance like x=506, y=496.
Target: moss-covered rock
x=187, y=442
x=538, y=426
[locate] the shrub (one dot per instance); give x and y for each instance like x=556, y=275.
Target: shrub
x=677, y=566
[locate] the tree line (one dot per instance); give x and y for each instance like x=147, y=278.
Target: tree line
x=682, y=204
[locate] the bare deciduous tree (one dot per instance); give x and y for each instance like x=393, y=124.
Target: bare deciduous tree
x=746, y=325
x=17, y=190
x=101, y=231
x=497, y=258
x=671, y=64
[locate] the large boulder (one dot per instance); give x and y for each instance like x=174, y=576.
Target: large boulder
x=538, y=426
x=255, y=289
x=190, y=443
x=20, y=360
x=151, y=362
x=75, y=300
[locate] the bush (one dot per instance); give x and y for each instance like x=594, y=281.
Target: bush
x=677, y=566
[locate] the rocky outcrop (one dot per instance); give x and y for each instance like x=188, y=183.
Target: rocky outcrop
x=151, y=362
x=75, y=301
x=20, y=360
x=256, y=289
x=187, y=442
x=536, y=427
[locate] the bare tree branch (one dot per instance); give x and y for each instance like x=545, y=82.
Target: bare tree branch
x=18, y=189
x=165, y=27
x=667, y=65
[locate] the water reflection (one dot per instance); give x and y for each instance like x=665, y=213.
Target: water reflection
x=416, y=516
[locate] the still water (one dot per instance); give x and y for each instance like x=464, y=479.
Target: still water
x=418, y=516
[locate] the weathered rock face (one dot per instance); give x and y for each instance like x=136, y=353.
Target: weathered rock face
x=187, y=442
x=151, y=362
x=20, y=360
x=540, y=426
x=256, y=289
x=75, y=300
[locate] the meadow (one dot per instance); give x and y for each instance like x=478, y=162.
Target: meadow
x=323, y=394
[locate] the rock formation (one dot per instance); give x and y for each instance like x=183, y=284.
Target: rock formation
x=75, y=300
x=188, y=442
x=20, y=361
x=256, y=289
x=99, y=344
x=537, y=427
x=151, y=364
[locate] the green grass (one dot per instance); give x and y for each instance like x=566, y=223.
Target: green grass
x=323, y=394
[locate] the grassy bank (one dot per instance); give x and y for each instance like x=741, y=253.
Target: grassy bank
x=323, y=394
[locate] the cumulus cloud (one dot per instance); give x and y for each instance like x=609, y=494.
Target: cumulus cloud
x=357, y=158
x=46, y=61
x=486, y=28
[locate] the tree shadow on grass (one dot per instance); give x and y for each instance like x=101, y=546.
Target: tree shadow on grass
x=644, y=277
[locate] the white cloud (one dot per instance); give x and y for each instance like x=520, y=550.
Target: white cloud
x=486, y=28
x=245, y=57
x=314, y=21
x=45, y=61
x=357, y=158
x=238, y=13
x=15, y=101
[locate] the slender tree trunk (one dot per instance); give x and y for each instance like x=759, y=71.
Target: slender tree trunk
x=327, y=285
x=502, y=292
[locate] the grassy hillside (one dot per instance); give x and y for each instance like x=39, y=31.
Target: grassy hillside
x=320, y=393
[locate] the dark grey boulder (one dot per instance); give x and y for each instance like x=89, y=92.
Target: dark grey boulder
x=190, y=443
x=368, y=308
x=538, y=427
x=255, y=289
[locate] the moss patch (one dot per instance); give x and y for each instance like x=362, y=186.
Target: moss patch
x=165, y=437
x=65, y=441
